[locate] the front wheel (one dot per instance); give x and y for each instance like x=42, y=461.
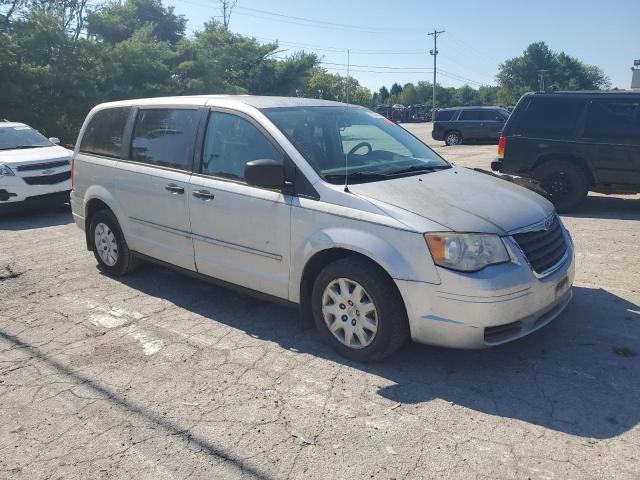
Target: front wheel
x=453, y=138
x=358, y=311
x=565, y=182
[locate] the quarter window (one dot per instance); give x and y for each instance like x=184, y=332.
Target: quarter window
x=103, y=135
x=615, y=120
x=232, y=141
x=165, y=137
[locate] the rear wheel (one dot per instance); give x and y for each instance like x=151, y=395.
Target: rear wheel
x=565, y=182
x=357, y=311
x=109, y=246
x=453, y=138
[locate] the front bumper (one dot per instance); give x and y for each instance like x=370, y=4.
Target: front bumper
x=14, y=190
x=496, y=305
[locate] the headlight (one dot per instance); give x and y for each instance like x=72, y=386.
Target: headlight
x=466, y=252
x=4, y=170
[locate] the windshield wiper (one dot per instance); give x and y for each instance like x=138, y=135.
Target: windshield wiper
x=357, y=176
x=20, y=147
x=419, y=168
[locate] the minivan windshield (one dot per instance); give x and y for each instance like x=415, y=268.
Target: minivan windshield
x=22, y=137
x=354, y=141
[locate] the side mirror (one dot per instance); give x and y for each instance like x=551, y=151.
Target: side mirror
x=265, y=173
x=55, y=140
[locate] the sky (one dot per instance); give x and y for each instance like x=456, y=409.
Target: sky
x=388, y=41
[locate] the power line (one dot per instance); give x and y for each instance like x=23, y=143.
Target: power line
x=377, y=66
x=325, y=24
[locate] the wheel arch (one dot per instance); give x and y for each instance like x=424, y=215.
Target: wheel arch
x=96, y=200
x=576, y=160
x=319, y=260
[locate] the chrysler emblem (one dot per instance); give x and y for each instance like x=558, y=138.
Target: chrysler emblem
x=548, y=222
x=47, y=171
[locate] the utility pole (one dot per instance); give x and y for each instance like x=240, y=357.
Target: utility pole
x=541, y=77
x=434, y=52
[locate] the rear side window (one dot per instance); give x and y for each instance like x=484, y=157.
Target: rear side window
x=165, y=137
x=472, y=115
x=550, y=116
x=618, y=120
x=103, y=135
x=445, y=115
x=490, y=116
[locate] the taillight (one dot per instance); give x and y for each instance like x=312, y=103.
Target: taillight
x=502, y=145
x=71, y=173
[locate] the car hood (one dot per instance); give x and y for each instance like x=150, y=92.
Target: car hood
x=461, y=199
x=19, y=157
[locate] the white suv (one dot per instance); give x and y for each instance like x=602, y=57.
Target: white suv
x=323, y=205
x=33, y=169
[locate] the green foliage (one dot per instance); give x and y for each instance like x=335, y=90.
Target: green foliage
x=59, y=58
x=118, y=22
x=520, y=74
x=51, y=75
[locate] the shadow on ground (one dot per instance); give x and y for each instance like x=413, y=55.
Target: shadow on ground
x=577, y=375
x=614, y=208
x=41, y=217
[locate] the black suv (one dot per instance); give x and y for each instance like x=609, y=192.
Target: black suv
x=573, y=143
x=453, y=125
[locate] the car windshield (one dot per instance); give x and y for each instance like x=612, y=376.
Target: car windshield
x=21, y=137
x=354, y=141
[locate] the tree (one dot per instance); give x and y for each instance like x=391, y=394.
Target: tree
x=396, y=90
x=409, y=94
x=227, y=7
x=117, y=22
x=520, y=74
x=383, y=94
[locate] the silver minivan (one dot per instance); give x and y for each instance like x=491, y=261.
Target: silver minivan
x=326, y=206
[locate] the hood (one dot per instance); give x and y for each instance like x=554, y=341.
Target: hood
x=33, y=155
x=461, y=200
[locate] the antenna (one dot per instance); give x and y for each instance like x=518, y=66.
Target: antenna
x=346, y=172
x=346, y=155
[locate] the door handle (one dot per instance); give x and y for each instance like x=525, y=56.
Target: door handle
x=174, y=189
x=203, y=195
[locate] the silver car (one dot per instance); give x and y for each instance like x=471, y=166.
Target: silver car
x=324, y=206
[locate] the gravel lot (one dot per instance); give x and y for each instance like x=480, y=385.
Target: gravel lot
x=160, y=376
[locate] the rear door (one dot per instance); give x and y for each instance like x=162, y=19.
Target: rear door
x=470, y=124
x=153, y=184
x=492, y=124
x=241, y=233
x=612, y=126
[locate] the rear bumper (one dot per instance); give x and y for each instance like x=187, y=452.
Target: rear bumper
x=496, y=165
x=487, y=308
x=437, y=135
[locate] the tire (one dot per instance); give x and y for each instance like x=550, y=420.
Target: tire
x=389, y=315
x=565, y=182
x=115, y=258
x=453, y=138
